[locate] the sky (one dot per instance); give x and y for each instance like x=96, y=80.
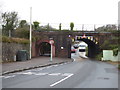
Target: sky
x=87, y=12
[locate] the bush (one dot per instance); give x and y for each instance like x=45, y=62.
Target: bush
x=115, y=52
x=99, y=56
x=22, y=33
x=6, y=39
x=119, y=66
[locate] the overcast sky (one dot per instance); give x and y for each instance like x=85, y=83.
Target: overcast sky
x=65, y=11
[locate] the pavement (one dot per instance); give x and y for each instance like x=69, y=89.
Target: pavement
x=31, y=64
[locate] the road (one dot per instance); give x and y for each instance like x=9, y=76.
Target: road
x=82, y=73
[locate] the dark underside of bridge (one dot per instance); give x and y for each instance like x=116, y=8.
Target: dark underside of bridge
x=93, y=48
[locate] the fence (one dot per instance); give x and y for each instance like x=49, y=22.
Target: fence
x=80, y=27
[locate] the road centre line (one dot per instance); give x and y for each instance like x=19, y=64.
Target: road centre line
x=60, y=80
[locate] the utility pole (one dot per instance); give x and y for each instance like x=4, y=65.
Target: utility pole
x=30, y=32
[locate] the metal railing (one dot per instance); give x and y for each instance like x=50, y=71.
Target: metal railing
x=82, y=27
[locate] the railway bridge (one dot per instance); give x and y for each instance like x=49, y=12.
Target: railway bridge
x=63, y=41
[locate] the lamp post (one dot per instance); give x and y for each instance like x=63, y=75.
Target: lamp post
x=30, y=32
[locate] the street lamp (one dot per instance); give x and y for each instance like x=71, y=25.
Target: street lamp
x=30, y=32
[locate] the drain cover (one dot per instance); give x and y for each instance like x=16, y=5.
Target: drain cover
x=104, y=78
x=111, y=70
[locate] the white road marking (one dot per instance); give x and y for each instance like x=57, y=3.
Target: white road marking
x=54, y=74
x=2, y=76
x=9, y=76
x=49, y=66
x=66, y=74
x=40, y=73
x=60, y=80
x=55, y=65
x=26, y=73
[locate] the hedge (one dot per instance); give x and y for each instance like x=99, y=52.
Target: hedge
x=15, y=40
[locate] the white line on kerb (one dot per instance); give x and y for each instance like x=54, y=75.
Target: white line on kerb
x=2, y=76
x=9, y=76
x=60, y=80
x=54, y=74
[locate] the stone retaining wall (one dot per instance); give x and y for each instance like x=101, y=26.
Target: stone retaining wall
x=9, y=50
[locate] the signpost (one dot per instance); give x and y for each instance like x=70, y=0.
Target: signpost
x=51, y=43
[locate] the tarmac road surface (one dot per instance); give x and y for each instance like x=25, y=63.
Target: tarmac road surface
x=82, y=73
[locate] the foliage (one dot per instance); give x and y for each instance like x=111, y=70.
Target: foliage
x=106, y=45
x=86, y=51
x=15, y=40
x=71, y=26
x=112, y=43
x=22, y=32
x=99, y=56
x=119, y=66
x=39, y=37
x=115, y=52
x=23, y=23
x=60, y=26
x=36, y=25
x=9, y=22
x=109, y=27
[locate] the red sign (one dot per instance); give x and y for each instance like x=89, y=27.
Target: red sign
x=84, y=36
x=51, y=42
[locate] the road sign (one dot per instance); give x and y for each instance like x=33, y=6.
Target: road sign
x=51, y=42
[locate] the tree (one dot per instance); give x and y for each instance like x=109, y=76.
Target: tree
x=23, y=30
x=71, y=26
x=23, y=23
x=36, y=25
x=60, y=26
x=109, y=27
x=9, y=22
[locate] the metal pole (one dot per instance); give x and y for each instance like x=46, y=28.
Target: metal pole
x=30, y=31
x=9, y=33
x=51, y=53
